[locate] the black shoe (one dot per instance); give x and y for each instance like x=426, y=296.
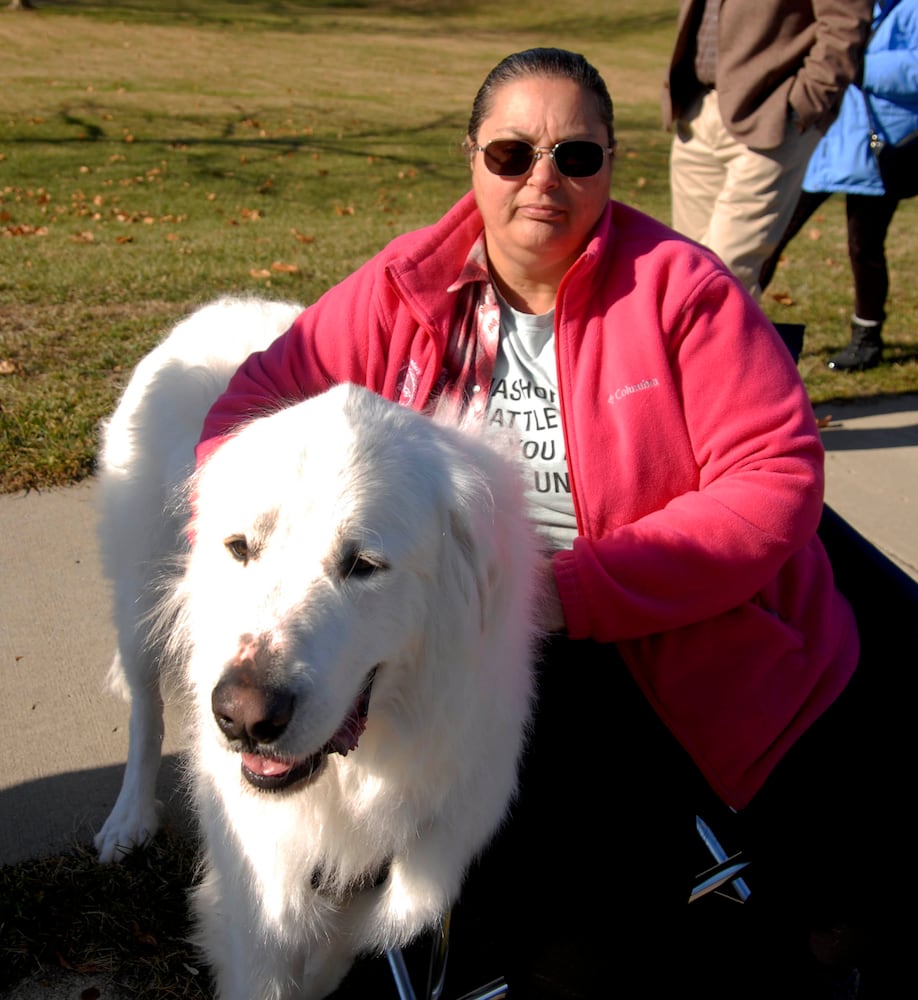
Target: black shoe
x=864, y=351
x=792, y=335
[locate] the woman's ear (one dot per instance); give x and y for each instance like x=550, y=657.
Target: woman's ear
x=468, y=147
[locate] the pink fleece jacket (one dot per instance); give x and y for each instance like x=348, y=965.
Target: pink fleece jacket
x=695, y=465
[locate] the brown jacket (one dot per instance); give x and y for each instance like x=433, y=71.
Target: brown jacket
x=775, y=57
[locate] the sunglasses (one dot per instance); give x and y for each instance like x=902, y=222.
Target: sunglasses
x=515, y=157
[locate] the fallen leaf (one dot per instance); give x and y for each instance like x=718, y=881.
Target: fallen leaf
x=284, y=268
x=24, y=230
x=7, y=367
x=144, y=937
x=262, y=273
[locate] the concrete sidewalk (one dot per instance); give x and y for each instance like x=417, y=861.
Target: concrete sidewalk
x=64, y=738
x=872, y=472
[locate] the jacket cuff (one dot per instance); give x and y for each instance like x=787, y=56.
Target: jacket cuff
x=575, y=613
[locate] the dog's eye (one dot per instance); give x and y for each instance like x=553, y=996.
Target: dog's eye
x=238, y=548
x=360, y=565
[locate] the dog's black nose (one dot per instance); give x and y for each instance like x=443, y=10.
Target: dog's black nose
x=251, y=714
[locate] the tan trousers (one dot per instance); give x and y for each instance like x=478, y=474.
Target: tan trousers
x=731, y=198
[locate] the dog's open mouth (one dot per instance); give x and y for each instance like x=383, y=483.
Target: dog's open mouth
x=273, y=774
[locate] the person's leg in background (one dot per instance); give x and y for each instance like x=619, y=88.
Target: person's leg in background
x=733, y=199
x=869, y=217
x=697, y=166
x=807, y=204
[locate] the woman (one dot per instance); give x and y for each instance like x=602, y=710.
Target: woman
x=843, y=162
x=677, y=474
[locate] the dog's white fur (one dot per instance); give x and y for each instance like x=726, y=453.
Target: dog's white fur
x=336, y=535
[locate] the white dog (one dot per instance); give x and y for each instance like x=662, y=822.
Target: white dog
x=353, y=625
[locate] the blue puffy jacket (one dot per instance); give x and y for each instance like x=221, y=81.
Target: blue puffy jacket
x=842, y=161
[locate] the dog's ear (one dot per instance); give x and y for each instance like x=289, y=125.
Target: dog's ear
x=491, y=551
x=470, y=569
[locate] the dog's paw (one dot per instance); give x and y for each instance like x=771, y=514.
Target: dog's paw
x=126, y=829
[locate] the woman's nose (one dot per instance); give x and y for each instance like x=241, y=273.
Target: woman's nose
x=544, y=172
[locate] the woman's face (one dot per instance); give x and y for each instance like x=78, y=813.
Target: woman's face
x=537, y=224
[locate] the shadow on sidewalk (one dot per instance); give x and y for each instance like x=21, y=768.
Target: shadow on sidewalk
x=55, y=814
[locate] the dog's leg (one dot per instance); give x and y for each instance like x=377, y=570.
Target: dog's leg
x=325, y=970
x=135, y=816
x=425, y=881
x=299, y=953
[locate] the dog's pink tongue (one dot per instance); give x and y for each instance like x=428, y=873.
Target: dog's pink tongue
x=270, y=767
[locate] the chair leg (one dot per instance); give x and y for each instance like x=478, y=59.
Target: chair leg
x=400, y=974
x=439, y=952
x=725, y=871
x=497, y=990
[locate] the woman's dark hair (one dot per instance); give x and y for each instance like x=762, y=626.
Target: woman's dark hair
x=542, y=62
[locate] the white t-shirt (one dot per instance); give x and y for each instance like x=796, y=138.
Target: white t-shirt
x=524, y=398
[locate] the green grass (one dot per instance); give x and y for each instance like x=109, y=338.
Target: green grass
x=126, y=924
x=154, y=156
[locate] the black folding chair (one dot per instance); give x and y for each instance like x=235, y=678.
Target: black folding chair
x=880, y=593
